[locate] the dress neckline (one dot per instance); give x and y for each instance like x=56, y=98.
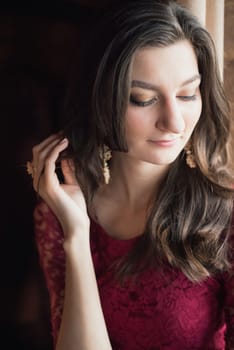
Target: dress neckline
x=107, y=236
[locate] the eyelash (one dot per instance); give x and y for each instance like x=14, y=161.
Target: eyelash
x=142, y=103
x=154, y=100
x=188, y=98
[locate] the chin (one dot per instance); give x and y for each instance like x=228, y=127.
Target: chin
x=163, y=161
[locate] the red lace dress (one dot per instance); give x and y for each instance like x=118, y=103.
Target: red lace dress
x=163, y=310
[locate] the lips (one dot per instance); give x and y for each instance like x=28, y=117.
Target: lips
x=163, y=140
x=164, y=143
x=166, y=140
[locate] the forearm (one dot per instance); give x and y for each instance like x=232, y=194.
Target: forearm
x=83, y=326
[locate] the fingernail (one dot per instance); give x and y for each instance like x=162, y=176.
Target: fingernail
x=64, y=140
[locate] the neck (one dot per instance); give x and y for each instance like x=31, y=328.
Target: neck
x=134, y=182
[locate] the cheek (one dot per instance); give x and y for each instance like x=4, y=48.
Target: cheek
x=193, y=116
x=136, y=123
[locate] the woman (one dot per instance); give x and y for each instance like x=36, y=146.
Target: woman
x=135, y=242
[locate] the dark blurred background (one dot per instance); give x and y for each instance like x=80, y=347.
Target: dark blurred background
x=37, y=44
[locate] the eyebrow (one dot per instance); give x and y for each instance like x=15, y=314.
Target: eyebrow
x=152, y=87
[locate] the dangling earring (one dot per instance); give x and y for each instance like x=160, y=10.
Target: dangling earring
x=106, y=155
x=190, y=159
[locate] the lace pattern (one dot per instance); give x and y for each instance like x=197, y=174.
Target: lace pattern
x=162, y=310
x=49, y=239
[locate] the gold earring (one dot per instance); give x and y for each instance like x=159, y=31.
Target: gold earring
x=190, y=159
x=106, y=155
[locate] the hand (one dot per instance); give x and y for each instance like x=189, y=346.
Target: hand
x=66, y=200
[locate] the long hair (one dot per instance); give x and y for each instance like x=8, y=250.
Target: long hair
x=188, y=225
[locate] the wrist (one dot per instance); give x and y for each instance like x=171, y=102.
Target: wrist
x=76, y=242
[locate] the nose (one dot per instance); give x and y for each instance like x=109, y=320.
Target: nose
x=171, y=117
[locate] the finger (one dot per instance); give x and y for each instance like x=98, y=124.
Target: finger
x=68, y=170
x=37, y=148
x=50, y=161
x=41, y=153
x=47, y=160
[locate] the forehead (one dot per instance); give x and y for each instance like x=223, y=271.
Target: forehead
x=172, y=64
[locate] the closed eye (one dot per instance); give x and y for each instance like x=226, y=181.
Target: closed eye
x=187, y=98
x=142, y=103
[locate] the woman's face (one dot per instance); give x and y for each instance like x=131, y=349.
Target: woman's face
x=165, y=102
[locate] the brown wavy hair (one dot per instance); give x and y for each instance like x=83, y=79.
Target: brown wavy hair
x=189, y=223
